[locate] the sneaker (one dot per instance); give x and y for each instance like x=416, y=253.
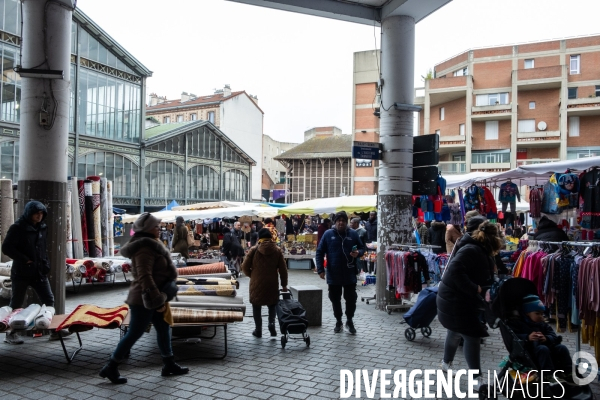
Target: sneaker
x=338, y=327
x=13, y=338
x=350, y=327
x=446, y=366
x=63, y=333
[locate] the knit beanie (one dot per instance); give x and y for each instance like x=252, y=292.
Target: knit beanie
x=532, y=303
x=264, y=233
x=145, y=223
x=341, y=214
x=474, y=222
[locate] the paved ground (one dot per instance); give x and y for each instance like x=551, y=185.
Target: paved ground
x=254, y=368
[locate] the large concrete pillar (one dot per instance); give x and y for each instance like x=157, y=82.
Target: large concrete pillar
x=43, y=149
x=396, y=135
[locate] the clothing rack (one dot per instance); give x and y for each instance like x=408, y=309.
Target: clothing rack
x=412, y=246
x=574, y=244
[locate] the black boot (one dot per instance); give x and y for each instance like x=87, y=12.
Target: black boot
x=111, y=371
x=272, y=329
x=172, y=368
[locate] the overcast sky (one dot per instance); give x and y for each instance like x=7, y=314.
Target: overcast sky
x=299, y=66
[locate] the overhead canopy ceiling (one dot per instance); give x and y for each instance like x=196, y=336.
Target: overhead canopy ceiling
x=360, y=11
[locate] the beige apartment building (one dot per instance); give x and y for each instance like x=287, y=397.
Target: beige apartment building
x=274, y=174
x=500, y=107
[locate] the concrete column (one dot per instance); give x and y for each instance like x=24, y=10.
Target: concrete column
x=469, y=122
x=564, y=121
x=396, y=135
x=43, y=149
x=514, y=116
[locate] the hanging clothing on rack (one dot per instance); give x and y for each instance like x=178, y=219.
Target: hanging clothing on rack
x=590, y=194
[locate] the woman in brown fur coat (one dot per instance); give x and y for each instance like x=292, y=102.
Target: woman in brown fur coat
x=265, y=265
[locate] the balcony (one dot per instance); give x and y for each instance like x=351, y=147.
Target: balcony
x=490, y=167
x=419, y=96
x=538, y=139
x=584, y=106
x=540, y=78
x=491, y=113
x=443, y=90
x=452, y=143
x=531, y=161
x=452, y=167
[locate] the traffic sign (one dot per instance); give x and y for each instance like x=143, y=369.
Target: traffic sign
x=366, y=150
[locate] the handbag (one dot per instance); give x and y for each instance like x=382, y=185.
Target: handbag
x=190, y=238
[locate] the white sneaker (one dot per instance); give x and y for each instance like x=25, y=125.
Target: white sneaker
x=446, y=366
x=13, y=338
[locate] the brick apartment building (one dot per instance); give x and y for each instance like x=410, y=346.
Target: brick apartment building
x=499, y=107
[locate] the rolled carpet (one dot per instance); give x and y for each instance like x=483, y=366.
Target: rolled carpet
x=89, y=217
x=185, y=280
x=203, y=269
x=83, y=216
x=97, y=214
x=226, y=275
x=190, y=316
x=25, y=318
x=206, y=290
x=111, y=219
x=87, y=316
x=4, y=322
x=76, y=219
x=104, y=216
x=236, y=300
x=44, y=317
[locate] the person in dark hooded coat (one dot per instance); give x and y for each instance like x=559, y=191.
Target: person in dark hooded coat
x=458, y=299
x=265, y=265
x=180, y=241
x=25, y=243
x=548, y=230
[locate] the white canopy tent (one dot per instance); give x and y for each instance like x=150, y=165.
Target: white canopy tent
x=209, y=204
x=251, y=210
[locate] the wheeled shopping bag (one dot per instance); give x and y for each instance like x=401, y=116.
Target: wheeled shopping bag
x=292, y=319
x=422, y=313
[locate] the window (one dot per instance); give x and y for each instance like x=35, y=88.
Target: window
x=166, y=120
x=461, y=129
x=573, y=126
x=491, y=130
x=462, y=72
x=529, y=63
x=574, y=65
x=526, y=125
x=572, y=93
x=597, y=92
x=442, y=113
x=491, y=99
x=193, y=117
x=574, y=153
x=210, y=116
x=532, y=105
x=180, y=118
x=484, y=157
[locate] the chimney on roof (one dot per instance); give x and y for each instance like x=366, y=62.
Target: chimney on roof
x=227, y=90
x=254, y=98
x=185, y=96
x=153, y=99
x=193, y=96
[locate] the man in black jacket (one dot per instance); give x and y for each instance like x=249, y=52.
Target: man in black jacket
x=549, y=231
x=371, y=227
x=25, y=243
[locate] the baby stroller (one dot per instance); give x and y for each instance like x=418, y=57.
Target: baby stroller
x=292, y=319
x=503, y=307
x=421, y=314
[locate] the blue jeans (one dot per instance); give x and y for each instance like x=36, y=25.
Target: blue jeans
x=141, y=317
x=41, y=287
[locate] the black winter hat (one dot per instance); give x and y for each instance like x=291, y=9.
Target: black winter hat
x=341, y=214
x=474, y=223
x=264, y=233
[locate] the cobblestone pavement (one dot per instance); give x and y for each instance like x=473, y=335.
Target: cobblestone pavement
x=254, y=368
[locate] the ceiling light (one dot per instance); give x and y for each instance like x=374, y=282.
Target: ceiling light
x=40, y=73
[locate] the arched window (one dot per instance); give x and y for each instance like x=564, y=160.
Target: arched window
x=202, y=183
x=123, y=172
x=235, y=185
x=9, y=160
x=164, y=180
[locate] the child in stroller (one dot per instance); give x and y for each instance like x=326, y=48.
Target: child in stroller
x=541, y=342
x=503, y=313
